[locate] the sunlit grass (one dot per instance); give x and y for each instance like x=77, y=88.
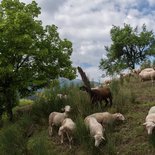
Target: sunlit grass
x=132, y=98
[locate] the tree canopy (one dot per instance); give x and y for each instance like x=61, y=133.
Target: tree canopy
x=129, y=48
x=30, y=55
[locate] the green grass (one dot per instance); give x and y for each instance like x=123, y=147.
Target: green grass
x=132, y=98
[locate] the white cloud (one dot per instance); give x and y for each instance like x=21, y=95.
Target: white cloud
x=151, y=3
x=87, y=24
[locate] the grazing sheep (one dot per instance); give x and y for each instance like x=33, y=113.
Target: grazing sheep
x=62, y=96
x=150, y=120
x=96, y=129
x=107, y=118
x=98, y=95
x=67, y=127
x=147, y=70
x=147, y=74
x=56, y=118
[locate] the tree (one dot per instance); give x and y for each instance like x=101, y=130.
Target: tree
x=129, y=47
x=30, y=55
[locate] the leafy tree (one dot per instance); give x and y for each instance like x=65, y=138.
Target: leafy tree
x=129, y=47
x=30, y=55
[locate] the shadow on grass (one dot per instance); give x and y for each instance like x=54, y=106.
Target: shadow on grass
x=152, y=139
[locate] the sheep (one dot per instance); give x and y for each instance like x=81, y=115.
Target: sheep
x=56, y=118
x=67, y=127
x=152, y=110
x=96, y=129
x=147, y=74
x=99, y=94
x=147, y=70
x=62, y=96
x=107, y=118
x=150, y=120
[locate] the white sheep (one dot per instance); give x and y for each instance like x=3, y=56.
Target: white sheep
x=96, y=129
x=147, y=74
x=107, y=118
x=150, y=120
x=147, y=70
x=56, y=118
x=152, y=110
x=67, y=127
x=62, y=96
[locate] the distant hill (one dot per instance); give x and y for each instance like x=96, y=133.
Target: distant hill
x=64, y=82
x=67, y=82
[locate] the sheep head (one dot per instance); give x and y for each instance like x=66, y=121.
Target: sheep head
x=98, y=139
x=119, y=117
x=149, y=127
x=67, y=108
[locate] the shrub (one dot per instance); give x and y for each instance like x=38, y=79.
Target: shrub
x=25, y=102
x=12, y=141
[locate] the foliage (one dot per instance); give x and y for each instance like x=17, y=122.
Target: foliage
x=30, y=55
x=25, y=102
x=129, y=47
x=119, y=136
x=13, y=137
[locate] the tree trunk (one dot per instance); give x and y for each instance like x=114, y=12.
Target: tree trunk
x=1, y=122
x=9, y=102
x=9, y=109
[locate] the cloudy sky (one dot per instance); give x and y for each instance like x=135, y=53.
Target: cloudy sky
x=87, y=24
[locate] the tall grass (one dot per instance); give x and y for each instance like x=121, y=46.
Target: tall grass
x=123, y=96
x=14, y=138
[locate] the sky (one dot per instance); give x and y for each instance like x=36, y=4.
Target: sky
x=87, y=24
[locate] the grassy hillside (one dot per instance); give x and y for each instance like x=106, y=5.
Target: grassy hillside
x=28, y=135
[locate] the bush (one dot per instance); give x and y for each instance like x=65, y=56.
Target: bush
x=12, y=141
x=25, y=102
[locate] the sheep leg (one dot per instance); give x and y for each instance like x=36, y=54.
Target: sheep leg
x=62, y=138
x=50, y=131
x=69, y=139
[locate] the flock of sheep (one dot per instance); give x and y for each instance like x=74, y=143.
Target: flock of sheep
x=96, y=123
x=143, y=74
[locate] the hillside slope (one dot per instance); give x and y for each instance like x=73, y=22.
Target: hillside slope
x=132, y=98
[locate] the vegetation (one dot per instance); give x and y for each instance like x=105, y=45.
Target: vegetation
x=129, y=47
x=29, y=133
x=30, y=55
x=33, y=56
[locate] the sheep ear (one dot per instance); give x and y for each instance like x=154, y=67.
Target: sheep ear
x=103, y=138
x=144, y=123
